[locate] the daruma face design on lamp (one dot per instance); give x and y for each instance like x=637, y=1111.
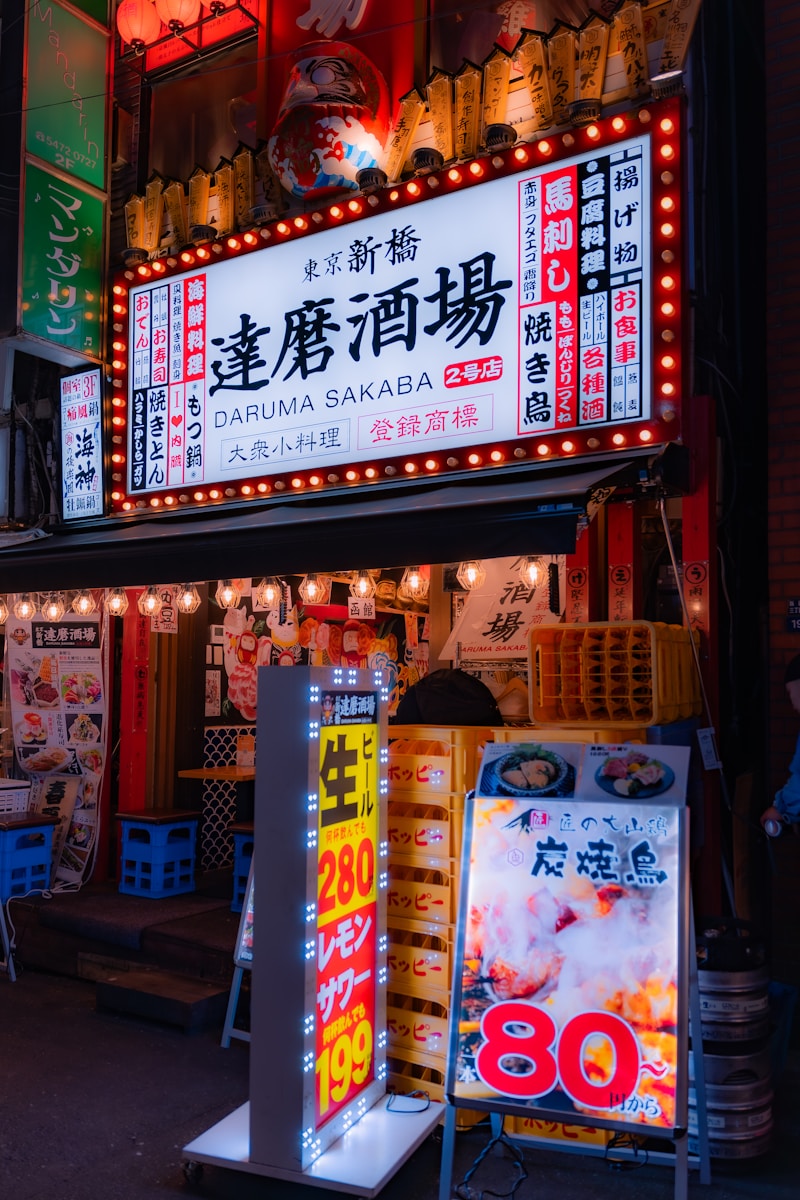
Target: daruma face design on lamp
x=333, y=120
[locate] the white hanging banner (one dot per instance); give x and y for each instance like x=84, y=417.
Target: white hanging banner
x=495, y=620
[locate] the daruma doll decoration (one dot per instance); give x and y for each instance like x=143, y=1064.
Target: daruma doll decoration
x=333, y=120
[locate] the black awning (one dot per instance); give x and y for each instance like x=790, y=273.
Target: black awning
x=527, y=512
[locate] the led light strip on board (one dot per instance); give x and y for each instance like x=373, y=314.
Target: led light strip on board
x=660, y=121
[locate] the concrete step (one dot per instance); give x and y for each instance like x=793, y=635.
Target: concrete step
x=165, y=996
x=191, y=934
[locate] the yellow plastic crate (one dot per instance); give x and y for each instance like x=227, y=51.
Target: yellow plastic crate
x=612, y=674
x=537, y=1128
x=433, y=758
x=571, y=733
x=426, y=832
x=421, y=894
x=407, y=1072
x=418, y=1025
x=419, y=964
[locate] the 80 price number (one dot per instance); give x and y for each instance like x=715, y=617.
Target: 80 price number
x=519, y=1031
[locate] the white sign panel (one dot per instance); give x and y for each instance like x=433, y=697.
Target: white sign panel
x=81, y=445
x=570, y=972
x=496, y=619
x=513, y=309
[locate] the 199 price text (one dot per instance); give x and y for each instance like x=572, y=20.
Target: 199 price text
x=344, y=1065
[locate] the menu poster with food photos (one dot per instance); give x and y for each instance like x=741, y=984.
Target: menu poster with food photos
x=570, y=972
x=58, y=712
x=243, y=955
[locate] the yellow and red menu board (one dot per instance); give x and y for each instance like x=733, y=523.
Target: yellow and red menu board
x=318, y=945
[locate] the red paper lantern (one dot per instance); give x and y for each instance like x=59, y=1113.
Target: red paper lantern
x=177, y=14
x=138, y=22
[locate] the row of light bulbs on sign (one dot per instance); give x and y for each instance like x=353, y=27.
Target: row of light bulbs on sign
x=313, y=589
x=471, y=573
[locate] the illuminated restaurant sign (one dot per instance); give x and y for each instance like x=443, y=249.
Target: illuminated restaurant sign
x=62, y=262
x=515, y=319
x=323, y=1033
x=571, y=947
x=81, y=445
x=67, y=73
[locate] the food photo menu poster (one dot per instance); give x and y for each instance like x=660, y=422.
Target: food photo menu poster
x=571, y=936
x=58, y=711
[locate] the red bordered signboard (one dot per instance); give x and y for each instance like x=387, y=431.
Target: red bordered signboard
x=411, y=335
x=570, y=976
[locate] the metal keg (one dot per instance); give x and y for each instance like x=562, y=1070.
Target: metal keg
x=734, y=1005
x=738, y=1103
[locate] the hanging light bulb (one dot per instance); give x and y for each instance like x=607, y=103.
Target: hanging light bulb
x=471, y=575
x=268, y=592
x=116, y=602
x=188, y=599
x=150, y=603
x=314, y=589
x=3, y=611
x=530, y=570
x=414, y=583
x=24, y=607
x=84, y=603
x=227, y=594
x=54, y=606
x=362, y=585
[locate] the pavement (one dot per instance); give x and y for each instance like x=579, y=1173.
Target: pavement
x=98, y=1105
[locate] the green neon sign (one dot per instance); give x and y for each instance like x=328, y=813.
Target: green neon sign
x=62, y=261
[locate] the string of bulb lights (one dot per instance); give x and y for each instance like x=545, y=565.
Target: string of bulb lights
x=269, y=593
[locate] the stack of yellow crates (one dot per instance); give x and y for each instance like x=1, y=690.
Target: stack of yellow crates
x=431, y=769
x=612, y=673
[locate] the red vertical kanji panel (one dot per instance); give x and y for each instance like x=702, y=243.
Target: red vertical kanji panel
x=134, y=689
x=624, y=562
x=700, y=593
x=582, y=583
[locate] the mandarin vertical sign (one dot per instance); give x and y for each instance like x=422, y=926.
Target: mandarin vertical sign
x=62, y=262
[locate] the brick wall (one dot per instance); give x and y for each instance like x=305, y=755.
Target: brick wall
x=782, y=46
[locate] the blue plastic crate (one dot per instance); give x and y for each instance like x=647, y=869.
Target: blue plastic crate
x=157, y=857
x=25, y=857
x=242, y=857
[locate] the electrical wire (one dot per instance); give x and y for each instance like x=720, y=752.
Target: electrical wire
x=726, y=871
x=636, y=1156
x=405, y=1103
x=466, y=1192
